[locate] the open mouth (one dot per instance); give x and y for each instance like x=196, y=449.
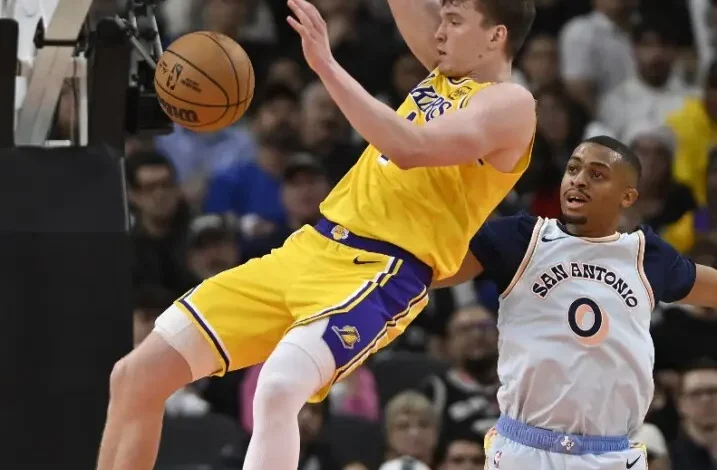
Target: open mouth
x=575, y=200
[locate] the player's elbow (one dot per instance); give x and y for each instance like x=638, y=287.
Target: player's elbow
x=403, y=157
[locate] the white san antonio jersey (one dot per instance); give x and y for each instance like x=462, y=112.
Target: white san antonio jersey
x=576, y=353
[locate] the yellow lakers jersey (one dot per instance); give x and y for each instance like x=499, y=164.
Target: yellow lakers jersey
x=430, y=212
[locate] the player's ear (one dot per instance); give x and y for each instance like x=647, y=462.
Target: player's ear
x=629, y=197
x=499, y=36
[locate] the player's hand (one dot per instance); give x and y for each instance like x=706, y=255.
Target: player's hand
x=314, y=36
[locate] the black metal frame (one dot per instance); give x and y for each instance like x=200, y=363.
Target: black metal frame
x=9, y=33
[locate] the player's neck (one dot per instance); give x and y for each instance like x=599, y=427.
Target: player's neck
x=498, y=71
x=588, y=231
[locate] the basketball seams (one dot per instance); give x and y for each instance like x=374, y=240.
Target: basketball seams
x=231, y=64
x=174, y=104
x=202, y=105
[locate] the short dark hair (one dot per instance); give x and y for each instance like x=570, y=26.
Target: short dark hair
x=655, y=26
x=619, y=148
x=700, y=364
x=145, y=158
x=517, y=16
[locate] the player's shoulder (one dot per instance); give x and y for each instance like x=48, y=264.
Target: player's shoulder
x=654, y=244
x=517, y=225
x=516, y=94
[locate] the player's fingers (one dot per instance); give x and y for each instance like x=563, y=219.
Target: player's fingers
x=300, y=13
x=298, y=27
x=311, y=15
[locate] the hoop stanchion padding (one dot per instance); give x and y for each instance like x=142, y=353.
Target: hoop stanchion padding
x=8, y=67
x=66, y=306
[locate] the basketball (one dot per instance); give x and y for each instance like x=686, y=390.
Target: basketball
x=204, y=81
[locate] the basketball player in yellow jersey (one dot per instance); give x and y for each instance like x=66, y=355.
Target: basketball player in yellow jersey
x=402, y=218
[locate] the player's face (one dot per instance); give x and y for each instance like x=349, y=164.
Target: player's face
x=596, y=187
x=464, y=38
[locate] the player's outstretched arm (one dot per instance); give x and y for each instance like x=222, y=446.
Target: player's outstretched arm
x=418, y=20
x=497, y=125
x=704, y=291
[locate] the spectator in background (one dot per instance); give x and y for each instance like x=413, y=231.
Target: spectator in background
x=695, y=126
x=199, y=155
x=326, y=133
x=411, y=427
x=655, y=91
x=553, y=14
x=160, y=223
x=696, y=447
x=561, y=125
x=314, y=454
x=686, y=333
x=304, y=186
x=596, y=52
x=539, y=63
x=665, y=204
x=286, y=71
x=657, y=455
x=362, y=48
x=465, y=395
x=706, y=217
x=251, y=190
x=663, y=410
x=149, y=302
x=462, y=453
x=212, y=246
x=407, y=72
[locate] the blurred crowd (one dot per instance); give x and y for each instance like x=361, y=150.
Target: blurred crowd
x=641, y=71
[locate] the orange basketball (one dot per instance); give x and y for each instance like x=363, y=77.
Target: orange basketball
x=204, y=81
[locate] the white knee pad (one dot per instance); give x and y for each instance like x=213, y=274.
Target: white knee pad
x=310, y=339
x=179, y=331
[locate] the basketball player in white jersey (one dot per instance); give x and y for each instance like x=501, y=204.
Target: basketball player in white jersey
x=576, y=356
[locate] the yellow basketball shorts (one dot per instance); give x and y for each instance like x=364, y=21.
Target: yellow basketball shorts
x=369, y=290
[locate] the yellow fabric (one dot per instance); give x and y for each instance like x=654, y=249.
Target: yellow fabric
x=244, y=312
x=430, y=212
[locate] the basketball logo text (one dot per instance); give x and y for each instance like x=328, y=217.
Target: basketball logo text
x=561, y=271
x=186, y=115
x=429, y=102
x=173, y=78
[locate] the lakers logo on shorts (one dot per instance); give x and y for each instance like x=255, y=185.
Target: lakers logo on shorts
x=339, y=233
x=348, y=335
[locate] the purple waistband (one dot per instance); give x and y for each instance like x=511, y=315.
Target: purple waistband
x=342, y=235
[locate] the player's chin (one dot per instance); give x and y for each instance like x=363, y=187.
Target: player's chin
x=445, y=69
x=575, y=213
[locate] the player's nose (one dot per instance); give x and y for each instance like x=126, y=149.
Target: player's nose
x=440, y=35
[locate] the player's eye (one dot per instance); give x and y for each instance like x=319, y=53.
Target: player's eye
x=597, y=175
x=572, y=169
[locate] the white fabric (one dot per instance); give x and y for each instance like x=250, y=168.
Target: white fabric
x=504, y=454
x=288, y=379
x=568, y=378
x=179, y=331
